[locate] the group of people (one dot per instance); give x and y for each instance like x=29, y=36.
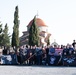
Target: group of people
x=33, y=55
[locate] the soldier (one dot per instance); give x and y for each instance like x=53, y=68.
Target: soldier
x=47, y=55
x=74, y=43
x=39, y=56
x=44, y=57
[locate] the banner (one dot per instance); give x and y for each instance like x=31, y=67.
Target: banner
x=69, y=60
x=54, y=60
x=9, y=59
x=58, y=51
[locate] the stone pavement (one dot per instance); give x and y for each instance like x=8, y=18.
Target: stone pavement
x=36, y=70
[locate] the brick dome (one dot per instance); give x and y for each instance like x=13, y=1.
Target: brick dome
x=39, y=22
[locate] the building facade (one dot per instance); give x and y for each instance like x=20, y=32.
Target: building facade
x=43, y=33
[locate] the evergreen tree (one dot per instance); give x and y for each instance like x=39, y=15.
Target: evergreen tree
x=5, y=36
x=48, y=41
x=0, y=28
x=1, y=36
x=15, y=35
x=33, y=34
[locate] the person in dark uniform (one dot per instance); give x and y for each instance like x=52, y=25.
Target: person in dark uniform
x=74, y=43
x=33, y=55
x=21, y=55
x=28, y=55
x=44, y=57
x=47, y=55
x=52, y=57
x=6, y=51
x=31, y=52
x=64, y=51
x=39, y=56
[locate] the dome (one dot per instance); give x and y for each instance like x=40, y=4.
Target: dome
x=39, y=22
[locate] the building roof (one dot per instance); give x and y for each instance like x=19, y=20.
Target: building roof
x=39, y=22
x=54, y=43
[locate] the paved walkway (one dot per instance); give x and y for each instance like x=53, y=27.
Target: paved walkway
x=35, y=70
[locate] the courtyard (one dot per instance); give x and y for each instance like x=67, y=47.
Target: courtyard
x=36, y=70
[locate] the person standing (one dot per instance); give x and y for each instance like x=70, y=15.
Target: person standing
x=39, y=56
x=44, y=56
x=21, y=55
x=47, y=55
x=74, y=43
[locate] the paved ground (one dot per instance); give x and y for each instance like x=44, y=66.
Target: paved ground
x=35, y=70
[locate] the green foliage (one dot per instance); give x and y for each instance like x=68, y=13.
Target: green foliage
x=48, y=42
x=5, y=36
x=0, y=28
x=1, y=36
x=33, y=34
x=15, y=35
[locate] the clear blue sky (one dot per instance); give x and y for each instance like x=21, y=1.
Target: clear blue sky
x=59, y=15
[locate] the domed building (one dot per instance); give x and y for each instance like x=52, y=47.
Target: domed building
x=43, y=33
x=41, y=25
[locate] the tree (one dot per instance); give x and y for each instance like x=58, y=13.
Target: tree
x=5, y=36
x=0, y=28
x=33, y=34
x=1, y=36
x=48, y=41
x=15, y=34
